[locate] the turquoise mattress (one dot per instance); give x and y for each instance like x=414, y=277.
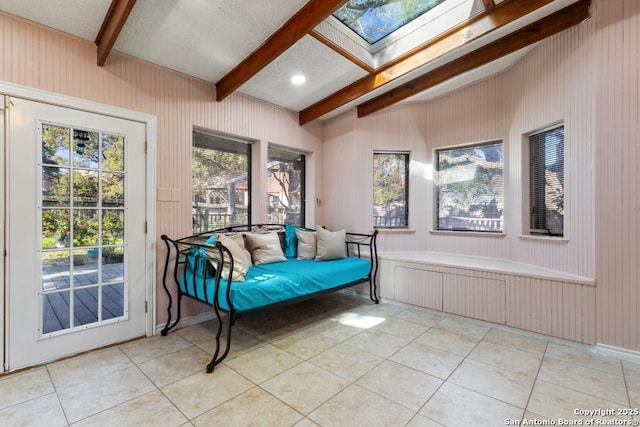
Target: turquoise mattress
x=280, y=281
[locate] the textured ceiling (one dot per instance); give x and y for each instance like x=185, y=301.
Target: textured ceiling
x=206, y=39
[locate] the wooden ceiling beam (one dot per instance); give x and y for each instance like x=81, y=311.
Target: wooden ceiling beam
x=498, y=17
x=300, y=24
x=488, y=4
x=111, y=26
x=533, y=33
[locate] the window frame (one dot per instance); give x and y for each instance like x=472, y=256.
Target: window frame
x=407, y=174
x=437, y=186
x=223, y=143
x=303, y=180
x=537, y=196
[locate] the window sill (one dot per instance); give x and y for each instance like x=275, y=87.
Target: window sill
x=550, y=239
x=468, y=234
x=395, y=230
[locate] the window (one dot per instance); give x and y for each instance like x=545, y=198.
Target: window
x=285, y=186
x=375, y=20
x=546, y=181
x=470, y=188
x=221, y=181
x=390, y=190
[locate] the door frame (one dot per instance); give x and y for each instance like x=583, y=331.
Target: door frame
x=150, y=123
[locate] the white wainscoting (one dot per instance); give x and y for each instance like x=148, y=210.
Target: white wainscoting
x=495, y=290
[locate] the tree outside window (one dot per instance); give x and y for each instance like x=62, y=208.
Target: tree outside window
x=470, y=188
x=390, y=190
x=220, y=181
x=285, y=186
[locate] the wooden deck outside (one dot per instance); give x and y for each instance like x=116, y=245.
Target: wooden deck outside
x=57, y=297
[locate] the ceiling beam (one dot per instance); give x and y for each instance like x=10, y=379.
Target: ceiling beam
x=340, y=51
x=488, y=4
x=305, y=20
x=111, y=27
x=533, y=33
x=498, y=17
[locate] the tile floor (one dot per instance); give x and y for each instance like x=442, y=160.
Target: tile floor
x=335, y=361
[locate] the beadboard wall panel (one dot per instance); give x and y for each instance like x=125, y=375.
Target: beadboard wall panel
x=41, y=58
x=618, y=190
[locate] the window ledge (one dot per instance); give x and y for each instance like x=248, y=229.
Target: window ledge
x=468, y=234
x=485, y=264
x=395, y=230
x=550, y=239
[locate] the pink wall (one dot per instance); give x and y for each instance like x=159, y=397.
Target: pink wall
x=40, y=58
x=587, y=77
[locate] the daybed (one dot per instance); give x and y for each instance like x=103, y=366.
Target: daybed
x=249, y=268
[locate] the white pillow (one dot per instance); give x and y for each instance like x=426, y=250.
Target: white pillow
x=331, y=244
x=241, y=260
x=264, y=248
x=306, y=244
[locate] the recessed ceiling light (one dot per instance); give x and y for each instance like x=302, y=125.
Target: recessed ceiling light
x=298, y=79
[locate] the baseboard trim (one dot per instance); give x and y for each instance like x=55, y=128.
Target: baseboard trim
x=189, y=321
x=618, y=352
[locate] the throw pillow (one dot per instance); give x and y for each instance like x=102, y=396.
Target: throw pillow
x=330, y=245
x=306, y=244
x=264, y=248
x=241, y=261
x=291, y=241
x=198, y=262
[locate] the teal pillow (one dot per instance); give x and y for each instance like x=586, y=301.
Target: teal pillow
x=198, y=262
x=291, y=241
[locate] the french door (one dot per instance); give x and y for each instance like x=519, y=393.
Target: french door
x=75, y=231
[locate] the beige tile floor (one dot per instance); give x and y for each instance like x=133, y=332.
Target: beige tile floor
x=335, y=361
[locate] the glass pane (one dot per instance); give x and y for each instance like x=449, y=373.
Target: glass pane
x=55, y=186
x=55, y=145
x=373, y=20
x=85, y=227
x=85, y=268
x=112, y=301
x=55, y=312
x=85, y=149
x=55, y=228
x=113, y=264
x=85, y=188
x=547, y=182
x=390, y=190
x=85, y=306
x=220, y=179
x=55, y=270
x=112, y=152
x=112, y=189
x=470, y=188
x=285, y=187
x=112, y=227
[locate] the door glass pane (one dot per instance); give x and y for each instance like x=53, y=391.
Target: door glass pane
x=56, y=270
x=86, y=188
x=112, y=152
x=55, y=145
x=82, y=216
x=85, y=306
x=112, y=301
x=55, y=228
x=85, y=149
x=112, y=189
x=55, y=311
x=55, y=186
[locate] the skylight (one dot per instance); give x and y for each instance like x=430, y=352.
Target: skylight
x=373, y=20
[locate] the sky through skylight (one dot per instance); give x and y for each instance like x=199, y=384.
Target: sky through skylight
x=375, y=19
